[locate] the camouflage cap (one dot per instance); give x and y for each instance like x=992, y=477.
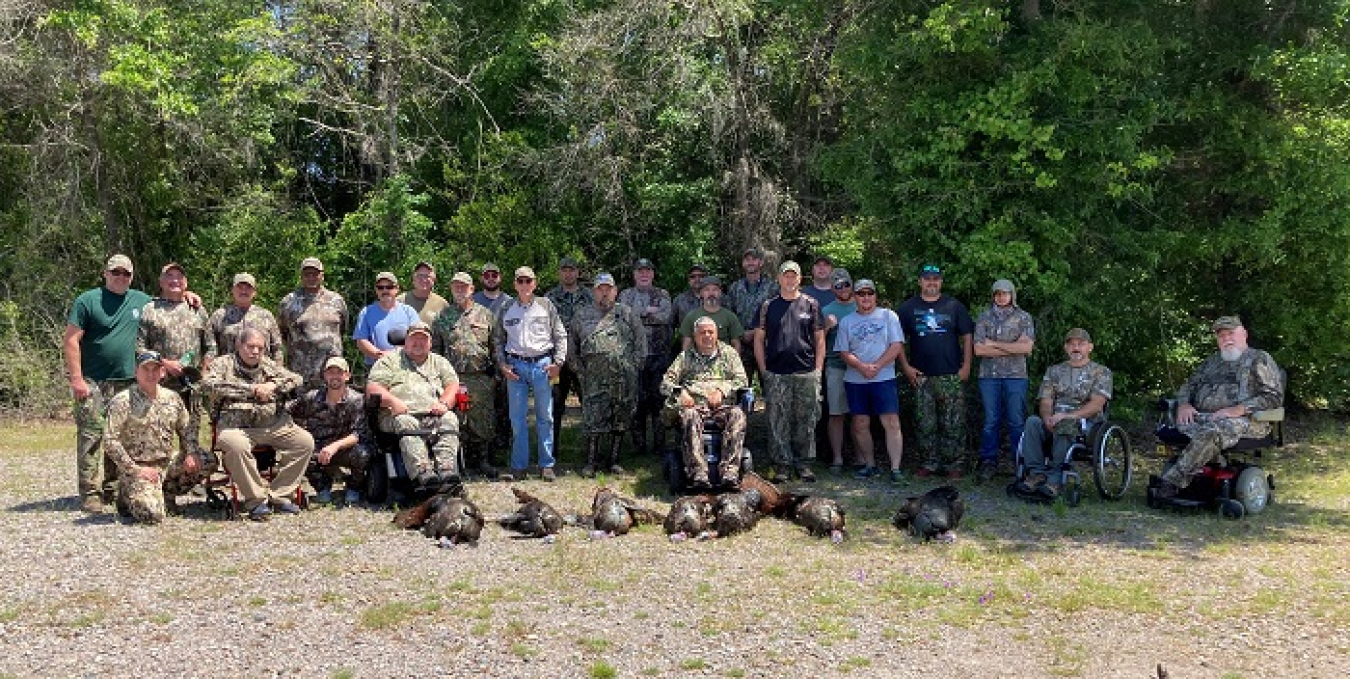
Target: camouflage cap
x=865, y=284
x=490, y=267
x=244, y=277
x=643, y=263
x=841, y=276
x=1078, y=334
x=170, y=267
x=754, y=251
x=699, y=268
x=337, y=362
x=1226, y=323
x=790, y=266
x=525, y=272
x=603, y=278
x=148, y=357
x=119, y=262
x=1003, y=285
x=567, y=263
x=822, y=258
x=311, y=263
x=462, y=277
x=419, y=326
x=386, y=276
x=709, y=280
x=425, y=265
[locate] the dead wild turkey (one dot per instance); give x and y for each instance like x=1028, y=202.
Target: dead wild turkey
x=534, y=518
x=935, y=514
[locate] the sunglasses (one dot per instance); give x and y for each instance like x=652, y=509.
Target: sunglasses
x=120, y=272
x=523, y=279
x=865, y=293
x=491, y=274
x=841, y=286
x=386, y=287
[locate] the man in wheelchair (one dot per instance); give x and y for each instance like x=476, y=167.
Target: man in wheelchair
x=702, y=385
x=1215, y=406
x=1073, y=391
x=417, y=391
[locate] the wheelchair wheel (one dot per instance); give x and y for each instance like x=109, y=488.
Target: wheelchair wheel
x=1231, y=509
x=1112, y=462
x=1073, y=493
x=377, y=481
x=1252, y=490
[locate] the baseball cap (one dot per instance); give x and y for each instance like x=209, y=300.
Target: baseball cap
x=172, y=265
x=119, y=262
x=311, y=263
x=244, y=277
x=419, y=326
x=841, y=276
x=148, y=356
x=865, y=284
x=755, y=252
x=425, y=265
x=525, y=272
x=790, y=266
x=490, y=267
x=567, y=263
x=699, y=268
x=462, y=277
x=337, y=362
x=1004, y=285
x=603, y=278
x=709, y=280
x=386, y=276
x=1226, y=323
x=643, y=263
x=931, y=270
x=1078, y=334
x=823, y=258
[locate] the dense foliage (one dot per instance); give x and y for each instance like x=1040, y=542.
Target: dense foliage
x=1136, y=167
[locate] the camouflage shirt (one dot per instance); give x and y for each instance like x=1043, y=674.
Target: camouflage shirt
x=328, y=422
x=173, y=329
x=699, y=374
x=684, y=304
x=614, y=335
x=418, y=386
x=311, y=325
x=1069, y=388
x=229, y=384
x=746, y=298
x=228, y=321
x=1253, y=380
x=657, y=325
x=567, y=303
x=1004, y=326
x=465, y=338
x=140, y=430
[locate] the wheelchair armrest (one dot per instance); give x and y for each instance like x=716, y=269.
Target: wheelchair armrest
x=1272, y=415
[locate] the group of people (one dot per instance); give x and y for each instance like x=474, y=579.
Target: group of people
x=461, y=372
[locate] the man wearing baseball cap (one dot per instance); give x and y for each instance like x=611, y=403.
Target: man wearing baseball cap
x=531, y=347
x=312, y=319
x=1075, y=390
x=744, y=298
x=382, y=324
x=423, y=298
x=653, y=306
x=688, y=301
x=99, y=348
x=491, y=296
x=608, y=345
x=229, y=321
x=335, y=415
x=1215, y=406
x=181, y=335
x=789, y=341
x=1004, y=337
x=463, y=335
x=567, y=296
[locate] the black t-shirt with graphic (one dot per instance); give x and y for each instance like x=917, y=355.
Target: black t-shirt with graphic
x=790, y=334
x=933, y=332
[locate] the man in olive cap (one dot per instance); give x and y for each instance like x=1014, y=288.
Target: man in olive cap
x=789, y=341
x=1075, y=390
x=312, y=319
x=567, y=296
x=653, y=306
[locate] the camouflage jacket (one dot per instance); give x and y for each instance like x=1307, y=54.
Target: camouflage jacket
x=1069, y=388
x=1005, y=326
x=229, y=384
x=465, y=338
x=173, y=329
x=228, y=321
x=140, y=430
x=418, y=386
x=684, y=304
x=698, y=374
x=311, y=325
x=328, y=423
x=657, y=325
x=1253, y=380
x=745, y=299
x=615, y=334
x=567, y=303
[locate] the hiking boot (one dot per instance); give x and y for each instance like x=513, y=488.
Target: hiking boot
x=1166, y=491
x=987, y=470
x=866, y=473
x=782, y=472
x=548, y=475
x=806, y=475
x=616, y=470
x=171, y=507
x=513, y=475
x=588, y=471
x=1048, y=490
x=730, y=483
x=92, y=504
x=1030, y=483
x=486, y=471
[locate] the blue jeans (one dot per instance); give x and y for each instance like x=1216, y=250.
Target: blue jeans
x=533, y=376
x=1005, y=402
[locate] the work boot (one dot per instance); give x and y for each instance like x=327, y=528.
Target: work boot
x=1166, y=491
x=592, y=451
x=91, y=504
x=614, y=442
x=987, y=470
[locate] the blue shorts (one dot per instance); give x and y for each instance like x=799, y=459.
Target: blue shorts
x=873, y=398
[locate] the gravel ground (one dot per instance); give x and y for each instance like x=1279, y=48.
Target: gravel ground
x=1097, y=591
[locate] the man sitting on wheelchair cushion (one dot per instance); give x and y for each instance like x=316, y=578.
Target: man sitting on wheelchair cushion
x=1072, y=391
x=701, y=384
x=1215, y=405
x=417, y=391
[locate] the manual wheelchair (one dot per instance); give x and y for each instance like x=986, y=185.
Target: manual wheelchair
x=1232, y=486
x=673, y=462
x=1102, y=443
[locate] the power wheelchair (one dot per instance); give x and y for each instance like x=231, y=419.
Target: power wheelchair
x=673, y=463
x=1228, y=484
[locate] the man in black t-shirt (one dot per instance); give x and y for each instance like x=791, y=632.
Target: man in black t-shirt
x=789, y=339
x=939, y=331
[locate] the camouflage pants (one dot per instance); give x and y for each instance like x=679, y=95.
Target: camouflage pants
x=145, y=500
x=479, y=422
x=941, y=416
x=608, y=397
x=355, y=459
x=416, y=458
x=1209, y=437
x=794, y=407
x=94, y=473
x=731, y=419
x=649, y=404
x=192, y=400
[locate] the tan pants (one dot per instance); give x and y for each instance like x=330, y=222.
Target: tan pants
x=294, y=447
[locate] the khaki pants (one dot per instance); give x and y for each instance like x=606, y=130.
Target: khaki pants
x=293, y=445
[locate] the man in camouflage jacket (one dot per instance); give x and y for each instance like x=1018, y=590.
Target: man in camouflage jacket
x=608, y=344
x=700, y=385
x=462, y=334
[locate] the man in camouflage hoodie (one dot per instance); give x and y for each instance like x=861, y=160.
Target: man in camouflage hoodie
x=609, y=344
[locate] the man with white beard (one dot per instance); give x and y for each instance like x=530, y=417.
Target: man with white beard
x=1214, y=407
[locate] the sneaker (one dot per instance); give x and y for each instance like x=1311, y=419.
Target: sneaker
x=866, y=473
x=352, y=497
x=988, y=468
x=92, y=504
x=548, y=474
x=806, y=475
x=897, y=476
x=260, y=513
x=925, y=472
x=513, y=475
x=324, y=497
x=285, y=507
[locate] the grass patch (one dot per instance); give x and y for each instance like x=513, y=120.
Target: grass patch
x=523, y=650
x=691, y=664
x=856, y=662
x=594, y=644
x=386, y=616
x=602, y=670
x=344, y=673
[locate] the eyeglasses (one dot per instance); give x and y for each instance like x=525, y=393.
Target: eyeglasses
x=841, y=286
x=692, y=276
x=523, y=279
x=423, y=276
x=120, y=272
x=865, y=293
x=491, y=274
x=386, y=287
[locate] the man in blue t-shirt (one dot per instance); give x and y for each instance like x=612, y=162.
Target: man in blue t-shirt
x=939, y=334
x=789, y=342
x=99, y=347
x=869, y=341
x=383, y=324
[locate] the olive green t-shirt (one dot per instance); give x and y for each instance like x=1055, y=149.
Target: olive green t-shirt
x=110, y=322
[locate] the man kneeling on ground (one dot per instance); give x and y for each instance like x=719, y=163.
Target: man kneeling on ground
x=702, y=385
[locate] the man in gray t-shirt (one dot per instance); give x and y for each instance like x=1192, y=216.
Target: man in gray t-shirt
x=869, y=341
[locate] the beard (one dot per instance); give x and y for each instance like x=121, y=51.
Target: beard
x=1230, y=354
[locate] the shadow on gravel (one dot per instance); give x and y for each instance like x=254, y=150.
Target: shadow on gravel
x=69, y=503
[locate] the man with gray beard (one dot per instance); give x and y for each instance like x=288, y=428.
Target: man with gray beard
x=1214, y=407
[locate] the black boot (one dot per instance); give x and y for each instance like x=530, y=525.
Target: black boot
x=615, y=440
x=592, y=450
